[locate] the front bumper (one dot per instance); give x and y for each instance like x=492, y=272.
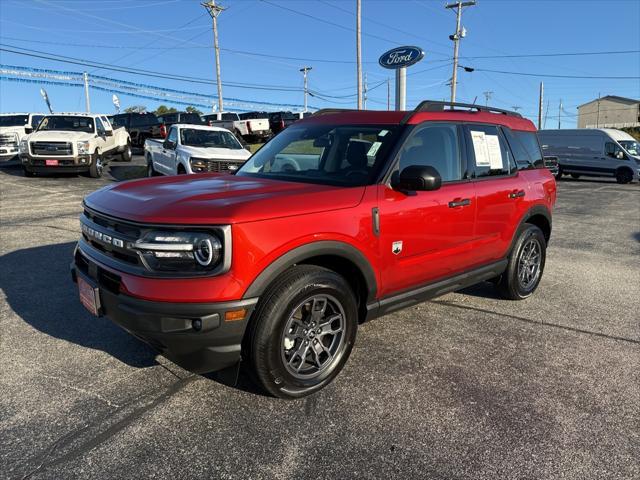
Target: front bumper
x=171, y=328
x=78, y=164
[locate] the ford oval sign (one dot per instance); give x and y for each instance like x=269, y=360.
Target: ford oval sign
x=401, y=57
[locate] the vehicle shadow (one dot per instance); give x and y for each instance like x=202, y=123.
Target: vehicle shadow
x=38, y=288
x=482, y=290
x=611, y=181
x=121, y=172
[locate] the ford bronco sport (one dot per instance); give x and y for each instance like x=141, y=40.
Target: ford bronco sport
x=343, y=217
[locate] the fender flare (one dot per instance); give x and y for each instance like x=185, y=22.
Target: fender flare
x=535, y=210
x=310, y=250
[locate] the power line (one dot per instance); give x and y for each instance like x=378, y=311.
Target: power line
x=551, y=75
x=554, y=54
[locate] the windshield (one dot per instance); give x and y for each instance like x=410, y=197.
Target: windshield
x=631, y=146
x=67, y=123
x=195, y=137
x=14, y=120
x=345, y=155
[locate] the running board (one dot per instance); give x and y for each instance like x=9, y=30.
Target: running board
x=432, y=290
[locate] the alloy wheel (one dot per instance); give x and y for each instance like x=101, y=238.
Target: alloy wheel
x=529, y=264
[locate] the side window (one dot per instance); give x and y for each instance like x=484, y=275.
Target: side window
x=613, y=150
x=105, y=122
x=489, y=151
x=35, y=120
x=173, y=135
x=529, y=141
x=99, y=127
x=437, y=146
x=523, y=160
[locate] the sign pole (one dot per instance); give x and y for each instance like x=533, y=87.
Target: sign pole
x=401, y=88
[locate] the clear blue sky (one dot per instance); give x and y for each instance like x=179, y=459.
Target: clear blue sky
x=142, y=32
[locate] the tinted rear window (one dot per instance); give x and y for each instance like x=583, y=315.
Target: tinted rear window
x=253, y=115
x=193, y=118
x=525, y=148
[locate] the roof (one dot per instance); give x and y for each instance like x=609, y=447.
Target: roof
x=200, y=127
x=20, y=113
x=378, y=117
x=79, y=114
x=613, y=98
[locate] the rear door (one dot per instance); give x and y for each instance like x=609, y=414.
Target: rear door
x=425, y=236
x=500, y=190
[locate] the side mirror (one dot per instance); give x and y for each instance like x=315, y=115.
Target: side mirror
x=28, y=129
x=168, y=144
x=417, y=178
x=109, y=133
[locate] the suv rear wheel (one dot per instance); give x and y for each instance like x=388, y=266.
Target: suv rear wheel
x=302, y=331
x=526, y=264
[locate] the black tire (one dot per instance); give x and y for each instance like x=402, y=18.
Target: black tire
x=575, y=175
x=27, y=172
x=127, y=155
x=96, y=169
x=624, y=175
x=181, y=170
x=272, y=361
x=512, y=285
x=242, y=141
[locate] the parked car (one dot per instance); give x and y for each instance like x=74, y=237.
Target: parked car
x=279, y=266
x=139, y=125
x=195, y=149
x=278, y=121
x=13, y=128
x=169, y=119
x=252, y=127
x=73, y=142
x=593, y=152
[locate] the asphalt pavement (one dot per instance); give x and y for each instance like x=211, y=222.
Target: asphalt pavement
x=466, y=386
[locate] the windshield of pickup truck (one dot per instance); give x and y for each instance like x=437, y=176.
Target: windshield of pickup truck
x=195, y=137
x=631, y=146
x=67, y=123
x=14, y=120
x=345, y=155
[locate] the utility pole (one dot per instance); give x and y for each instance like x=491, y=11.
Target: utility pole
x=359, y=52
x=85, y=76
x=388, y=94
x=459, y=5
x=304, y=71
x=364, y=92
x=540, y=100
x=559, y=113
x=215, y=10
x=487, y=97
x=598, y=114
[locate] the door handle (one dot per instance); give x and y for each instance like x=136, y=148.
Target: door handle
x=465, y=202
x=517, y=194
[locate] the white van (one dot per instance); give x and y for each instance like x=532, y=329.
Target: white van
x=592, y=152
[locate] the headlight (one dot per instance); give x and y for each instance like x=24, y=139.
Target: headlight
x=24, y=148
x=83, y=148
x=199, y=164
x=186, y=252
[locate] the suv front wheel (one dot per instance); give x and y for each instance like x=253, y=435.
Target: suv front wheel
x=526, y=264
x=302, y=332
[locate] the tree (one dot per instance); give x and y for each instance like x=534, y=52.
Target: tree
x=135, y=109
x=191, y=109
x=163, y=109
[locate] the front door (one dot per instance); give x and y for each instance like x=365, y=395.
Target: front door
x=428, y=235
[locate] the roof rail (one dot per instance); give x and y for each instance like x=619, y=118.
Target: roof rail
x=327, y=111
x=438, y=106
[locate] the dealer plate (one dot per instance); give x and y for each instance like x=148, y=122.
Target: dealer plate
x=51, y=163
x=89, y=295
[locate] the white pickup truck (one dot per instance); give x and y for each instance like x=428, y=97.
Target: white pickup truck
x=194, y=149
x=252, y=127
x=13, y=128
x=73, y=142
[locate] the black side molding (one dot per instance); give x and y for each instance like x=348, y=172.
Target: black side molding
x=432, y=290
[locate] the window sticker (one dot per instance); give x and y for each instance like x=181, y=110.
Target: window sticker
x=495, y=152
x=480, y=148
x=375, y=146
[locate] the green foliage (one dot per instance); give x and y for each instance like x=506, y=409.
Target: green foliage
x=191, y=109
x=135, y=109
x=163, y=109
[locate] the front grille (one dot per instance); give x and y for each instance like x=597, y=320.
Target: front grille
x=9, y=140
x=217, y=166
x=114, y=229
x=52, y=148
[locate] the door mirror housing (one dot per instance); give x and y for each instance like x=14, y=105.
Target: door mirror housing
x=109, y=133
x=417, y=178
x=169, y=145
x=28, y=129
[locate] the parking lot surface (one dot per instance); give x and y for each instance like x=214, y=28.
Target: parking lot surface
x=465, y=386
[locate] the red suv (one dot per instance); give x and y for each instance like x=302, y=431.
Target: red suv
x=343, y=217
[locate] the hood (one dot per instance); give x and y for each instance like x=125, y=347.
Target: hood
x=217, y=153
x=59, y=136
x=16, y=129
x=217, y=199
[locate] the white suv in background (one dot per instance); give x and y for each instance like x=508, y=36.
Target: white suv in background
x=13, y=128
x=73, y=142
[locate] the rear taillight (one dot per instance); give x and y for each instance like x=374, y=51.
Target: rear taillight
x=163, y=131
x=282, y=124
x=249, y=127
